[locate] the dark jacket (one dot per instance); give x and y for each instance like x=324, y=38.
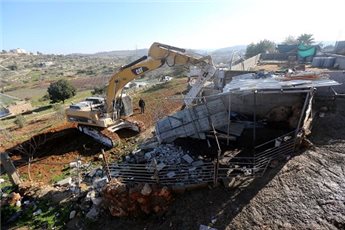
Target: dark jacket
x=141, y=103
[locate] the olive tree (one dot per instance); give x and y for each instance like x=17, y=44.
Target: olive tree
x=60, y=91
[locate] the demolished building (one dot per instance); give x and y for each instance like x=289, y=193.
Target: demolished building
x=247, y=107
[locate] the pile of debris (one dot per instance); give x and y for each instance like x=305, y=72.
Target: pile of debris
x=168, y=154
x=125, y=200
x=166, y=165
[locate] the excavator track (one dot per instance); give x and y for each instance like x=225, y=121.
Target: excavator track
x=107, y=136
x=101, y=135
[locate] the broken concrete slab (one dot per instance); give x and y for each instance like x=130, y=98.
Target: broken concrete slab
x=100, y=183
x=65, y=182
x=187, y=158
x=198, y=163
x=75, y=164
x=160, y=166
x=146, y=190
x=72, y=214
x=97, y=201
x=90, y=195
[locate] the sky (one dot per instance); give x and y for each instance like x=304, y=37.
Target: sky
x=76, y=26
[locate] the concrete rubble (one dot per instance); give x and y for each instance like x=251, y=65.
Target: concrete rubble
x=166, y=163
x=166, y=154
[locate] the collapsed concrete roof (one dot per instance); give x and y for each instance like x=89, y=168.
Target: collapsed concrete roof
x=251, y=82
x=214, y=111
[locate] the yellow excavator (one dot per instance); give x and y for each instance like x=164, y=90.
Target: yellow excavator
x=100, y=117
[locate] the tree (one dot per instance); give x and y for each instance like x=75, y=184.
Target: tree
x=306, y=39
x=29, y=149
x=60, y=91
x=263, y=46
x=290, y=40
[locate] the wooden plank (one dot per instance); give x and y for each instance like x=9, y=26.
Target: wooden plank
x=11, y=171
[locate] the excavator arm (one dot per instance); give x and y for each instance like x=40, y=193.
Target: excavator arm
x=158, y=55
x=126, y=74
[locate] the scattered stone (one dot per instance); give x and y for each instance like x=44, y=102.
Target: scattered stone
x=93, y=213
x=96, y=201
x=148, y=155
x=99, y=172
x=100, y=156
x=146, y=190
x=18, y=203
x=72, y=214
x=136, y=151
x=2, y=180
x=38, y=212
x=26, y=202
x=74, y=164
x=204, y=227
x=187, y=158
x=90, y=195
x=100, y=183
x=65, y=182
x=92, y=173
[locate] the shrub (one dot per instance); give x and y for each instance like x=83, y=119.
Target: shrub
x=20, y=121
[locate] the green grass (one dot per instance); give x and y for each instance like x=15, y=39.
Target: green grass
x=6, y=100
x=52, y=216
x=7, y=184
x=57, y=177
x=35, y=75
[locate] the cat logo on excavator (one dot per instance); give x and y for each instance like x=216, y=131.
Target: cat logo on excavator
x=139, y=70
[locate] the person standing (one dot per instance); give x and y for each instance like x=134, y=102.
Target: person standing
x=142, y=105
